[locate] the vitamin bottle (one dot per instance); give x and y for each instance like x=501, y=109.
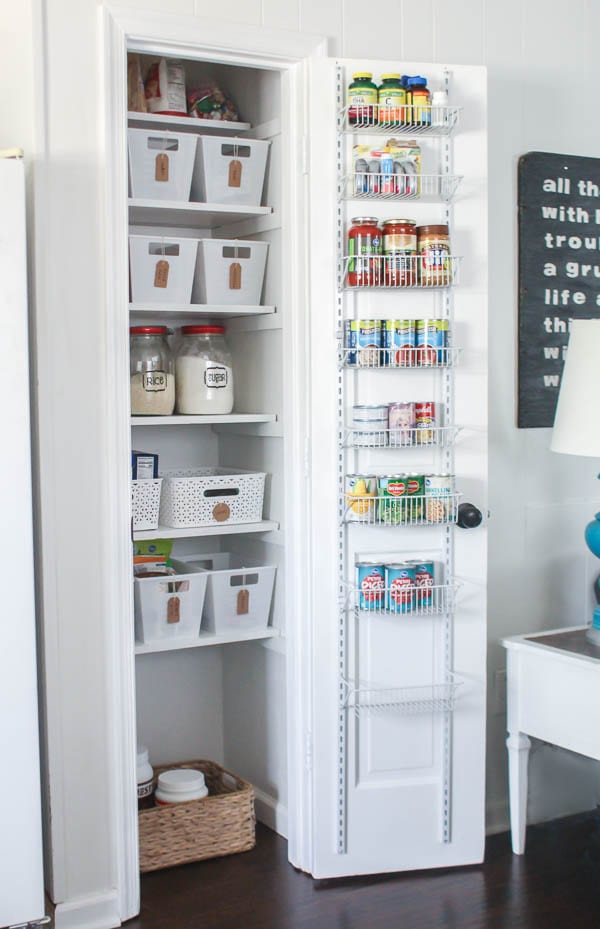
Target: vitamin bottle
x=418, y=99
x=362, y=99
x=392, y=99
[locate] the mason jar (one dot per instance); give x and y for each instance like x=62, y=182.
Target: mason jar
x=151, y=371
x=203, y=371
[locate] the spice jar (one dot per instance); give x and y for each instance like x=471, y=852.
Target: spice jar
x=364, y=248
x=433, y=244
x=180, y=785
x=145, y=779
x=151, y=371
x=400, y=249
x=204, y=372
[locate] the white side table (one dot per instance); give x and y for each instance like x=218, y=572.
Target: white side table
x=553, y=693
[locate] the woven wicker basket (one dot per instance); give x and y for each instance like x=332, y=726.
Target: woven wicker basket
x=221, y=824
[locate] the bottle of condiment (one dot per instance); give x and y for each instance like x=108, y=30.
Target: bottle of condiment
x=392, y=99
x=364, y=249
x=151, y=370
x=362, y=99
x=145, y=779
x=179, y=786
x=204, y=372
x=433, y=245
x=418, y=99
x=399, y=250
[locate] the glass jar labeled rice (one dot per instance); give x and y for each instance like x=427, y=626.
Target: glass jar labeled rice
x=151, y=371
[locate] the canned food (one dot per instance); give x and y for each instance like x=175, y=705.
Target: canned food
x=424, y=581
x=431, y=340
x=400, y=250
x=391, y=491
x=401, y=421
x=413, y=501
x=439, y=505
x=400, y=585
x=360, y=498
x=434, y=256
x=370, y=580
x=350, y=339
x=369, y=426
x=364, y=249
x=399, y=342
x=368, y=343
x=424, y=422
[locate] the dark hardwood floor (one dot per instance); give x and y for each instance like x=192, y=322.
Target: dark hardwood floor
x=555, y=885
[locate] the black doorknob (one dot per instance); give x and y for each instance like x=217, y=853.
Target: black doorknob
x=468, y=516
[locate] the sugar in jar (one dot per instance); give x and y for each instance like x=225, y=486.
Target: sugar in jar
x=204, y=372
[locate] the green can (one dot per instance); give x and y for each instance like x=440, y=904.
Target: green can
x=391, y=494
x=413, y=500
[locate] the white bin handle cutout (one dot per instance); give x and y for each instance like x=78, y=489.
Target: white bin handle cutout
x=243, y=580
x=161, y=144
x=232, y=251
x=223, y=492
x=236, y=151
x=159, y=248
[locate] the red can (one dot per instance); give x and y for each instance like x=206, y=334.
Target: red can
x=424, y=421
x=364, y=250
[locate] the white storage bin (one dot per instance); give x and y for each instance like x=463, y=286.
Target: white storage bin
x=170, y=607
x=238, y=594
x=145, y=503
x=211, y=497
x=161, y=164
x=161, y=269
x=229, y=170
x=230, y=272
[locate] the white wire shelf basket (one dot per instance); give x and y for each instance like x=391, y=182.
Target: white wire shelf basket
x=410, y=119
x=424, y=356
x=411, y=510
x=429, y=188
x=398, y=601
x=371, y=436
x=400, y=272
x=407, y=701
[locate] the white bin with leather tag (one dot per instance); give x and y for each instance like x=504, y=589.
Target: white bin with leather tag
x=161, y=164
x=238, y=594
x=170, y=606
x=161, y=269
x=230, y=272
x=229, y=170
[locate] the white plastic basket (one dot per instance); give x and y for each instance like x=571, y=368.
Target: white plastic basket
x=162, y=269
x=229, y=170
x=211, y=497
x=145, y=503
x=161, y=164
x=238, y=594
x=230, y=272
x=170, y=607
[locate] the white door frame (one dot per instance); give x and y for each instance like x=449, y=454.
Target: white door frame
x=287, y=52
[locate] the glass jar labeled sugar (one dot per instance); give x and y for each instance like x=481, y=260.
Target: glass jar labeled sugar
x=203, y=372
x=151, y=372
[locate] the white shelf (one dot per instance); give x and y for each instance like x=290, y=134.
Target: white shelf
x=204, y=639
x=417, y=120
x=426, y=188
x=167, y=532
x=185, y=123
x=144, y=212
x=408, y=701
x=194, y=310
x=206, y=420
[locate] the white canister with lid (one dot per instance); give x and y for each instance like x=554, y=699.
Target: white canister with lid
x=145, y=778
x=203, y=372
x=180, y=785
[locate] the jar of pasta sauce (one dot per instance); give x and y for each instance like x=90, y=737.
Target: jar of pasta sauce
x=400, y=250
x=433, y=244
x=364, y=250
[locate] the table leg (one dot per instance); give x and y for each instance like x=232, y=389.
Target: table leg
x=518, y=745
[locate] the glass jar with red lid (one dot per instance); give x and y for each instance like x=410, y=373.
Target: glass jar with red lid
x=204, y=372
x=151, y=371
x=400, y=252
x=364, y=251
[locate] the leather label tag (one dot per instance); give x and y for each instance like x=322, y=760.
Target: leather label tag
x=221, y=512
x=173, y=614
x=161, y=168
x=235, y=173
x=235, y=276
x=243, y=602
x=161, y=273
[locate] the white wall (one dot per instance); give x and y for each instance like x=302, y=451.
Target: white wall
x=538, y=501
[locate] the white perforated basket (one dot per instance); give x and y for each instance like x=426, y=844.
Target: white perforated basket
x=211, y=497
x=145, y=503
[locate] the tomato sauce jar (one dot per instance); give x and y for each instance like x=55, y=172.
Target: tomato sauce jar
x=364, y=251
x=400, y=250
x=434, y=256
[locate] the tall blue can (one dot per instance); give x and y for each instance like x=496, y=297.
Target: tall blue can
x=370, y=580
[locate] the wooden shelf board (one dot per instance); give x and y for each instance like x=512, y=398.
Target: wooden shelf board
x=166, y=532
x=204, y=639
x=203, y=420
x=146, y=212
x=194, y=310
x=185, y=123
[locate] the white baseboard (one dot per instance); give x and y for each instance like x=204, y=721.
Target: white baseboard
x=271, y=813
x=97, y=911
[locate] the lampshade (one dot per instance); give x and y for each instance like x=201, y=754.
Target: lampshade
x=577, y=420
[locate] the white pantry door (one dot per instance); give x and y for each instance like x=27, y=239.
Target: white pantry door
x=21, y=876
x=396, y=756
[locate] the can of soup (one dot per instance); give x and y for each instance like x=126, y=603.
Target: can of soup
x=439, y=504
x=424, y=582
x=370, y=581
x=400, y=587
x=401, y=423
x=413, y=501
x=369, y=426
x=399, y=342
x=350, y=339
x=424, y=422
x=368, y=343
x=391, y=492
x=431, y=340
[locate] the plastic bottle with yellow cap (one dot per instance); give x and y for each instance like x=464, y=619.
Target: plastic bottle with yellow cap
x=362, y=99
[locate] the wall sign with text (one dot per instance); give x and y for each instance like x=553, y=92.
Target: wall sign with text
x=559, y=270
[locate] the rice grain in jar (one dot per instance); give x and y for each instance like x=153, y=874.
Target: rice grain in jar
x=151, y=371
x=364, y=249
x=433, y=244
x=400, y=249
